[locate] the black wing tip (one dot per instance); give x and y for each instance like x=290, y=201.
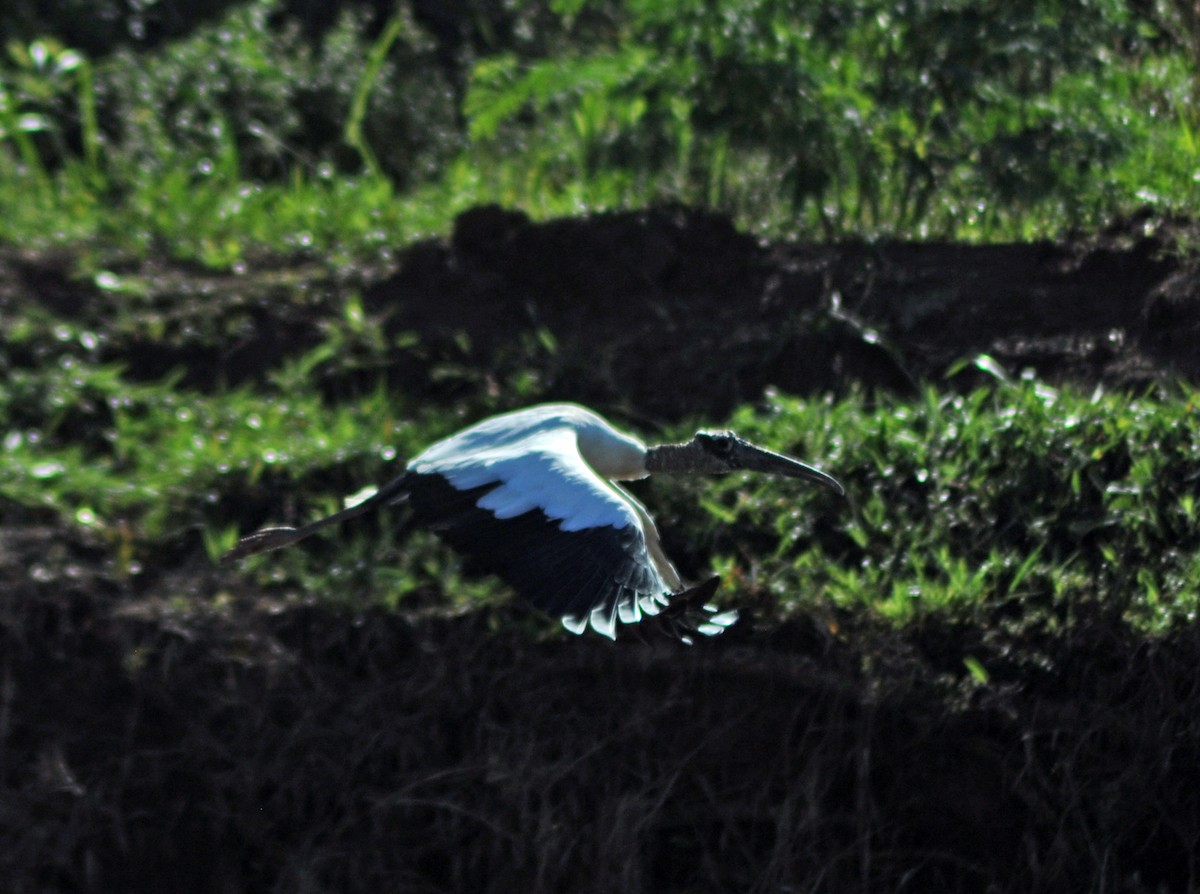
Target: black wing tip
x=678, y=616
x=260, y=542
x=698, y=594
x=690, y=615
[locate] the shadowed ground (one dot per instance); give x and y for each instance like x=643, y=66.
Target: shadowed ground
x=313, y=750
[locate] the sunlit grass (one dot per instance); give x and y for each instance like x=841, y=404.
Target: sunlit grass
x=1014, y=499
x=1132, y=118
x=999, y=500
x=223, y=224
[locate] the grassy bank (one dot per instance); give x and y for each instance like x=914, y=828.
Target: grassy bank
x=250, y=136
x=1010, y=498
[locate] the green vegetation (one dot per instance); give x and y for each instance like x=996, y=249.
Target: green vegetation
x=248, y=141
x=1013, y=500
x=1008, y=501
x=221, y=307
x=250, y=135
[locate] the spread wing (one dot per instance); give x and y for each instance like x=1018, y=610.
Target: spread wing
x=535, y=513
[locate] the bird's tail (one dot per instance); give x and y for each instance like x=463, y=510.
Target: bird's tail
x=688, y=614
x=266, y=539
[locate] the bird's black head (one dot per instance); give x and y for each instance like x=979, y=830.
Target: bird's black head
x=724, y=451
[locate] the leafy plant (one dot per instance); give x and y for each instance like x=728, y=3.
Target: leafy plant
x=47, y=90
x=927, y=117
x=1010, y=504
x=1018, y=500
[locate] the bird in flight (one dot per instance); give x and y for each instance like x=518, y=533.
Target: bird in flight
x=531, y=495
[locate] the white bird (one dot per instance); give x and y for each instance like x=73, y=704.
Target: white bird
x=531, y=495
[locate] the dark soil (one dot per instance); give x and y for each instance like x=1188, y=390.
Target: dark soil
x=151, y=743
x=675, y=313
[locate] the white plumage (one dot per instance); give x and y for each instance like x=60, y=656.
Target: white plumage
x=543, y=471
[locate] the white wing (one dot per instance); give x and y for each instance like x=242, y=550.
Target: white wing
x=531, y=510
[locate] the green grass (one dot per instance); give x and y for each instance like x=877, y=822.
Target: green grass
x=1007, y=501
x=869, y=125
x=1012, y=500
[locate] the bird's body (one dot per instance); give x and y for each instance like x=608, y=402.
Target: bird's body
x=531, y=495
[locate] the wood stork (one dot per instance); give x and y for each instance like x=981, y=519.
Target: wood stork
x=531, y=495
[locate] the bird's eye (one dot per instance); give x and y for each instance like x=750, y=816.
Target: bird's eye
x=719, y=444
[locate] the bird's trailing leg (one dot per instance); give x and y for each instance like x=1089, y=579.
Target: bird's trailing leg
x=266, y=539
x=262, y=541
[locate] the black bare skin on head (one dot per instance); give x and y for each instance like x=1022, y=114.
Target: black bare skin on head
x=719, y=444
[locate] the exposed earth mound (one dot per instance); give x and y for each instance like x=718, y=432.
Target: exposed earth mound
x=639, y=302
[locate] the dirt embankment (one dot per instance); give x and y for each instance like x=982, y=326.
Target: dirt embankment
x=673, y=312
